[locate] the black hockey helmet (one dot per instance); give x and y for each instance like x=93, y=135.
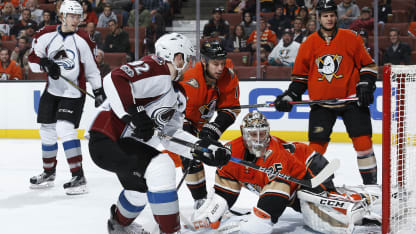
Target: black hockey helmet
x=213, y=50
x=326, y=6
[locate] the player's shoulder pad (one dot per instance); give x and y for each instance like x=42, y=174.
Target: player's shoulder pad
x=84, y=35
x=44, y=30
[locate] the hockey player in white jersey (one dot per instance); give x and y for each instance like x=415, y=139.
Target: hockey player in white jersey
x=143, y=98
x=63, y=51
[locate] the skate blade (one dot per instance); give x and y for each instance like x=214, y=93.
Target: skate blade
x=82, y=189
x=44, y=185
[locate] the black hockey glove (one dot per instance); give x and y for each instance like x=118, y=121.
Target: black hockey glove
x=144, y=127
x=210, y=131
x=365, y=90
x=282, y=102
x=50, y=67
x=188, y=127
x=219, y=156
x=99, y=96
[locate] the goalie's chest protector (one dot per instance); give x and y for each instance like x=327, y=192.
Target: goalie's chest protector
x=331, y=67
x=277, y=159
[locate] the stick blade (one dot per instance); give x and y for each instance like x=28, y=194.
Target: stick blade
x=325, y=173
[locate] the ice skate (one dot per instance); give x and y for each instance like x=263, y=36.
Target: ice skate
x=115, y=228
x=43, y=180
x=77, y=185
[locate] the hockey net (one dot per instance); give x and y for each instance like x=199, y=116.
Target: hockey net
x=399, y=149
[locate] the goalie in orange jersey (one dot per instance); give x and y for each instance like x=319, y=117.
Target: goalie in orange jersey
x=209, y=86
x=275, y=194
x=333, y=63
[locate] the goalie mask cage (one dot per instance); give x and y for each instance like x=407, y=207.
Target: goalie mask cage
x=399, y=149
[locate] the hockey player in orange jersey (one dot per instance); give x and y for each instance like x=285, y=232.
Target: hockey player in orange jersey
x=209, y=86
x=275, y=194
x=333, y=63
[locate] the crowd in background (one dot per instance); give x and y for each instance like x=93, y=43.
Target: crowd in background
x=284, y=25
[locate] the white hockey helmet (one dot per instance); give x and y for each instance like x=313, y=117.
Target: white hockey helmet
x=255, y=130
x=71, y=7
x=168, y=45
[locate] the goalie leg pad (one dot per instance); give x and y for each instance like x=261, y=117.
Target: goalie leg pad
x=130, y=204
x=213, y=209
x=259, y=222
x=162, y=195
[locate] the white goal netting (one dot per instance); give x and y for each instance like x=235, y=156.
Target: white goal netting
x=399, y=149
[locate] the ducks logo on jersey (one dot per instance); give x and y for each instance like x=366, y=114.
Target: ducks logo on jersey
x=328, y=66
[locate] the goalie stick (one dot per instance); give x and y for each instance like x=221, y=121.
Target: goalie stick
x=324, y=174
x=310, y=102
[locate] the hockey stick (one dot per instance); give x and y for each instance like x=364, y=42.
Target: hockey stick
x=324, y=174
x=310, y=102
x=76, y=86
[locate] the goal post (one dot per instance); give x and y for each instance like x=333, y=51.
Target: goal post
x=399, y=149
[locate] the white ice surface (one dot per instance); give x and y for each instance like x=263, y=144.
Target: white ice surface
x=23, y=210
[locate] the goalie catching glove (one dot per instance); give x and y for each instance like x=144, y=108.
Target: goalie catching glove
x=218, y=157
x=143, y=125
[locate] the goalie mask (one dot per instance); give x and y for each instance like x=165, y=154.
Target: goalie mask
x=255, y=130
x=169, y=45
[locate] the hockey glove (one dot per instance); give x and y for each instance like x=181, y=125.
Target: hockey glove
x=50, y=67
x=282, y=102
x=219, y=156
x=365, y=90
x=144, y=126
x=99, y=96
x=188, y=127
x=210, y=131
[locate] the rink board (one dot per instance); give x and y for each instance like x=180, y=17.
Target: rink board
x=20, y=101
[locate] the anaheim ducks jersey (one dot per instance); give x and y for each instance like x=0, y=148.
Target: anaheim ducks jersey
x=332, y=68
x=146, y=82
x=289, y=159
x=203, y=100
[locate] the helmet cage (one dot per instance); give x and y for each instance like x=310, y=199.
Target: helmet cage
x=256, y=133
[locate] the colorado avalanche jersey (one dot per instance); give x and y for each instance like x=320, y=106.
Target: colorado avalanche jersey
x=146, y=82
x=75, y=55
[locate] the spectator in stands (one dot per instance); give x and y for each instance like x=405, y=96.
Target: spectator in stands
x=9, y=70
x=237, y=42
x=264, y=53
x=159, y=7
x=55, y=16
x=145, y=18
x=35, y=12
x=4, y=29
x=9, y=13
x=248, y=23
x=299, y=34
x=121, y=7
x=29, y=32
x=384, y=9
x=89, y=15
x=291, y=9
x=347, y=13
x=310, y=27
x=118, y=40
x=23, y=23
x=364, y=36
x=267, y=5
x=98, y=6
x=240, y=6
x=365, y=21
x=279, y=21
x=106, y=16
x=399, y=52
x=217, y=26
x=303, y=13
x=104, y=67
x=94, y=34
x=284, y=54
x=46, y=19
x=20, y=55
x=268, y=38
